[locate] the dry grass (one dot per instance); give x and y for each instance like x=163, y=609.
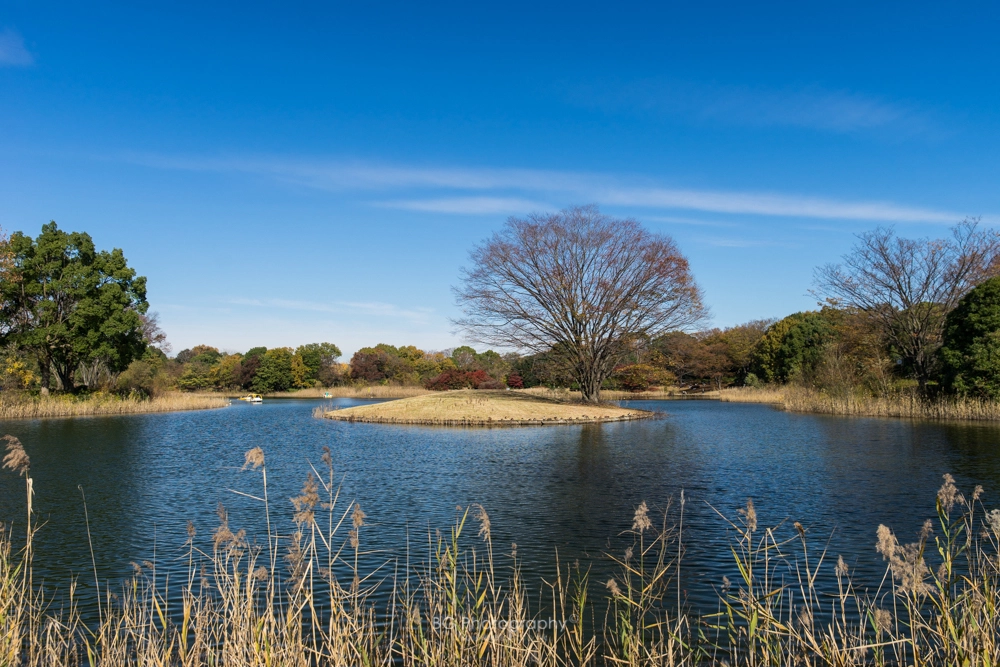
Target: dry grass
x=19, y=407
x=909, y=406
x=376, y=391
x=753, y=395
x=471, y=407
x=303, y=600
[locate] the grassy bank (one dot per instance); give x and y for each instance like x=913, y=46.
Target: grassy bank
x=471, y=407
x=298, y=596
x=21, y=407
x=799, y=399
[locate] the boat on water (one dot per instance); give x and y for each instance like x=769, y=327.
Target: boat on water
x=252, y=398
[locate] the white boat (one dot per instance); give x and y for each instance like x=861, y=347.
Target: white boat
x=252, y=398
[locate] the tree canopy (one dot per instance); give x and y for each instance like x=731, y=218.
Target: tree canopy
x=580, y=282
x=68, y=304
x=970, y=352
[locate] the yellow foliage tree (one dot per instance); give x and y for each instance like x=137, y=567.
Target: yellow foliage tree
x=300, y=372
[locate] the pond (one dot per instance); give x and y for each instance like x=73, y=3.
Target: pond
x=568, y=488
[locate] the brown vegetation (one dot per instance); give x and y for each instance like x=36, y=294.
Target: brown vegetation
x=483, y=408
x=904, y=405
x=13, y=406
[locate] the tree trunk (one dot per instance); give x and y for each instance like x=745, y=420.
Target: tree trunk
x=44, y=367
x=590, y=386
x=65, y=377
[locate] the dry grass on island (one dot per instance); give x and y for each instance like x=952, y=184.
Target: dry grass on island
x=38, y=407
x=469, y=407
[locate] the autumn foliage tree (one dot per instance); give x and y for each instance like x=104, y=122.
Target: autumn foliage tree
x=580, y=282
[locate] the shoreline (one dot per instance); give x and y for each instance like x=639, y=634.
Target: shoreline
x=483, y=407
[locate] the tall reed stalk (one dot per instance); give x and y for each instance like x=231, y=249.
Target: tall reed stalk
x=469, y=603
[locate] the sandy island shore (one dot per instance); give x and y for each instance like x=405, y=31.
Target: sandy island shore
x=484, y=408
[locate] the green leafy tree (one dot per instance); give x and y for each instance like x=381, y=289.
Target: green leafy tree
x=67, y=303
x=970, y=353
x=275, y=371
x=316, y=357
x=792, y=348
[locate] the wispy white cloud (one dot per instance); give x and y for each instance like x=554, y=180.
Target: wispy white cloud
x=696, y=222
x=811, y=107
x=12, y=50
x=749, y=203
x=450, y=190
x=837, y=111
x=729, y=242
x=469, y=205
x=367, y=308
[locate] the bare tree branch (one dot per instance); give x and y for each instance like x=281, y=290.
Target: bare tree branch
x=578, y=282
x=909, y=286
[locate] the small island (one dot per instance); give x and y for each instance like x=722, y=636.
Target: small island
x=485, y=408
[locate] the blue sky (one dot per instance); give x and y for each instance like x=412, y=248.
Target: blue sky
x=294, y=173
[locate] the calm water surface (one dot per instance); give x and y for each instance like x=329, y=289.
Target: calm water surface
x=571, y=488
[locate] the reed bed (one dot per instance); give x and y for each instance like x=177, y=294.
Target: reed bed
x=753, y=395
x=21, y=407
x=300, y=597
x=903, y=405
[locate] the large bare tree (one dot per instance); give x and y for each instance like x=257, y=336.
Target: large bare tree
x=908, y=286
x=577, y=283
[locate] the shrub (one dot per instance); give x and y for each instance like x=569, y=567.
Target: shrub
x=456, y=379
x=515, y=381
x=792, y=347
x=138, y=378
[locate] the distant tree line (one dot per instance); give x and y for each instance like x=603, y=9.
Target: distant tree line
x=897, y=314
